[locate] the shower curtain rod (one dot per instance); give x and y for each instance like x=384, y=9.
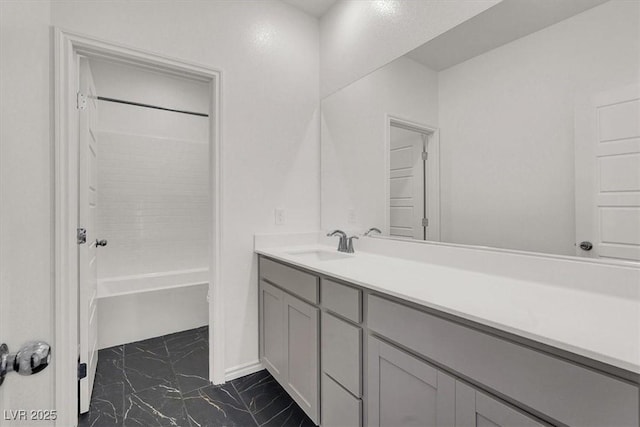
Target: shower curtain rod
x=138, y=104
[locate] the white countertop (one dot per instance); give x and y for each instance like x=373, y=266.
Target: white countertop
x=594, y=325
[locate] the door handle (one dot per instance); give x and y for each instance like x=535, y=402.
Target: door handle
x=586, y=246
x=32, y=358
x=102, y=242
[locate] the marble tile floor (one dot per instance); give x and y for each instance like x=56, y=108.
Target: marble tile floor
x=163, y=382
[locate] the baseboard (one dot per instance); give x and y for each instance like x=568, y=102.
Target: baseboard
x=242, y=370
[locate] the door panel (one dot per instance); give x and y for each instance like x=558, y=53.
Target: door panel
x=608, y=174
x=405, y=391
x=87, y=253
x=476, y=409
x=406, y=184
x=301, y=346
x=272, y=324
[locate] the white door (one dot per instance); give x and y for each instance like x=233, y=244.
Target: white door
x=608, y=175
x=87, y=259
x=407, y=183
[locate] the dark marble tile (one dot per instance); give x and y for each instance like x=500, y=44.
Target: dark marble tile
x=217, y=406
x=269, y=403
x=183, y=342
x=204, y=332
x=106, y=408
x=143, y=370
x=156, y=406
x=154, y=346
x=289, y=416
x=191, y=368
x=110, y=369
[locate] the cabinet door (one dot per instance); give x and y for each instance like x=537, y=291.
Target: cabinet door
x=476, y=409
x=405, y=391
x=341, y=348
x=301, y=348
x=272, y=329
x=339, y=407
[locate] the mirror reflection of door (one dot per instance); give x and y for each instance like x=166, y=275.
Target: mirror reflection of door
x=409, y=185
x=607, y=148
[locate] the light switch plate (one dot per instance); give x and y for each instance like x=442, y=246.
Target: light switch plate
x=279, y=216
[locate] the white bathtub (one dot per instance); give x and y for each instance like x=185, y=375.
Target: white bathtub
x=133, y=308
x=126, y=285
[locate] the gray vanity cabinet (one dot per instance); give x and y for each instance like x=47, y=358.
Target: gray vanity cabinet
x=476, y=409
x=380, y=361
x=405, y=391
x=289, y=332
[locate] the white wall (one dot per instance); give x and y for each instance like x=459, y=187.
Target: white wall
x=354, y=128
x=268, y=54
x=25, y=195
x=358, y=37
x=506, y=118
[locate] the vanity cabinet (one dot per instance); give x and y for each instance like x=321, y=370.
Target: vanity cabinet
x=289, y=333
x=351, y=357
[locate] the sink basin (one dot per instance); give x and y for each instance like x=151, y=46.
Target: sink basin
x=319, y=255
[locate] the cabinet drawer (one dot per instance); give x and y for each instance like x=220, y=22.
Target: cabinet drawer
x=343, y=300
x=341, y=349
x=339, y=408
x=299, y=283
x=562, y=390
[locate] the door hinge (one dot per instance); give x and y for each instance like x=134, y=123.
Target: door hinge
x=82, y=370
x=81, y=235
x=425, y=222
x=81, y=101
x=425, y=155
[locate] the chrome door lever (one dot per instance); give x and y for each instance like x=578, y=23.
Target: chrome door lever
x=32, y=358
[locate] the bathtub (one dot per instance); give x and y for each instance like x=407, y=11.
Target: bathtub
x=134, y=308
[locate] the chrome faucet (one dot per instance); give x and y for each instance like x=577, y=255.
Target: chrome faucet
x=342, y=244
x=346, y=243
x=371, y=230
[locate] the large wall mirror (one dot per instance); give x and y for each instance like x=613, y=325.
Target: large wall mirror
x=518, y=129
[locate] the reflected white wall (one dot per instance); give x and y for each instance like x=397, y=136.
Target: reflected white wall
x=507, y=128
x=354, y=130
x=506, y=121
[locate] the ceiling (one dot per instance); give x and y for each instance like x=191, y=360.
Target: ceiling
x=315, y=8
x=505, y=22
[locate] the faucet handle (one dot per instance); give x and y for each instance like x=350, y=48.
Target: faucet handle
x=350, y=244
x=371, y=230
x=337, y=233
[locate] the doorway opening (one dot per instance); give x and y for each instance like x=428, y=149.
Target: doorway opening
x=137, y=198
x=413, y=185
